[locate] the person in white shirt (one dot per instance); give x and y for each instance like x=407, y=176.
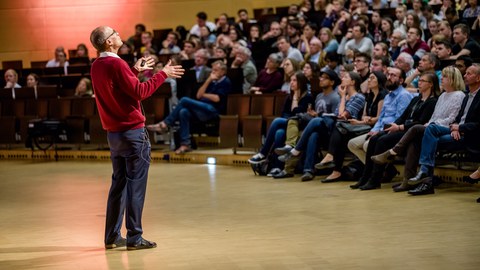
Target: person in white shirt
x=202, y=21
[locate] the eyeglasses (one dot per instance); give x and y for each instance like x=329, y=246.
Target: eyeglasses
x=422, y=80
x=113, y=33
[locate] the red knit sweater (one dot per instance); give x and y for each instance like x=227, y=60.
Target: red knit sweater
x=118, y=93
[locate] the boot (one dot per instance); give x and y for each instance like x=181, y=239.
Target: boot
x=383, y=158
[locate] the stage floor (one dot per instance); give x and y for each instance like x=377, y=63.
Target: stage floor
x=224, y=217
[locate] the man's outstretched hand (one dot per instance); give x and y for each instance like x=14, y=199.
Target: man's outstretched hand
x=173, y=71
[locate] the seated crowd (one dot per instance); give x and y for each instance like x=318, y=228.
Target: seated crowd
x=358, y=76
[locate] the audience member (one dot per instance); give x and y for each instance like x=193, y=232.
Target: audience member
x=428, y=63
x=243, y=22
x=329, y=42
x=315, y=53
x=188, y=50
x=202, y=72
x=11, y=79
x=405, y=63
x=464, y=45
x=211, y=102
x=84, y=88
x=222, y=26
x=33, y=80
x=82, y=50
x=359, y=41
x=242, y=60
x=287, y=51
x=270, y=78
x=60, y=59
x=462, y=63
x=169, y=45
x=202, y=21
x=135, y=41
x=396, y=39
x=414, y=45
x=290, y=67
x=309, y=34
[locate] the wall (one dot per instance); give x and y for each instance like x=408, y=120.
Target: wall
x=31, y=29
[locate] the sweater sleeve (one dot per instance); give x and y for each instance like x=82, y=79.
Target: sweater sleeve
x=127, y=79
x=446, y=111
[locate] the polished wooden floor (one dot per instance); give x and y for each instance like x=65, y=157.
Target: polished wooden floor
x=223, y=217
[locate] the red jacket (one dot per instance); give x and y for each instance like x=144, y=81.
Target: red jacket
x=118, y=93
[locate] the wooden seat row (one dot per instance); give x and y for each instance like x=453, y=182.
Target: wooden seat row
x=248, y=118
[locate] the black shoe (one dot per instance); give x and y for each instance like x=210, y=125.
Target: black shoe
x=419, y=178
x=470, y=180
x=325, y=165
x=370, y=185
x=360, y=183
x=389, y=174
x=307, y=176
x=143, y=244
x=331, y=180
x=402, y=187
x=478, y=200
x=283, y=174
x=283, y=150
x=423, y=189
x=118, y=243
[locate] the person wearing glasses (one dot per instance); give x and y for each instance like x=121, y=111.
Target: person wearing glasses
x=118, y=94
x=444, y=114
x=394, y=104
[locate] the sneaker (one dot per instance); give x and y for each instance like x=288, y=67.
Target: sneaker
x=119, y=243
x=307, y=176
x=285, y=156
x=283, y=150
x=257, y=159
x=143, y=244
x=274, y=171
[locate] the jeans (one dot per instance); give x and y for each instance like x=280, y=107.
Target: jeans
x=185, y=110
x=436, y=136
x=130, y=155
x=275, y=138
x=317, y=128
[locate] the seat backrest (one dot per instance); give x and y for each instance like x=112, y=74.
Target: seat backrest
x=84, y=106
x=238, y=104
x=262, y=105
x=47, y=92
x=279, y=103
x=24, y=93
x=38, y=64
x=15, y=64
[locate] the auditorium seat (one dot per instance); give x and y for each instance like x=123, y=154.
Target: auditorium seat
x=14, y=64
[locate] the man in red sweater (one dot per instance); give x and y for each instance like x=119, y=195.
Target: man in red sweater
x=118, y=93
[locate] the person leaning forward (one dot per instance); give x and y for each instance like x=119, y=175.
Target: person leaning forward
x=118, y=93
